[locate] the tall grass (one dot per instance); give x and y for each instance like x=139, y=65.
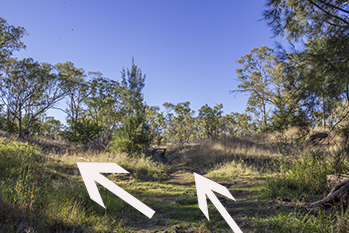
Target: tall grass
x=142, y=167
x=304, y=177
x=253, y=152
x=46, y=192
x=231, y=170
x=300, y=222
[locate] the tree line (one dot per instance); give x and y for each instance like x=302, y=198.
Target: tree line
x=97, y=108
x=304, y=85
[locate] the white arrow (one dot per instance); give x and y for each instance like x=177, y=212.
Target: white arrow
x=90, y=173
x=204, y=187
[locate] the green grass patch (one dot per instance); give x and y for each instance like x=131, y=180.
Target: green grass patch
x=297, y=222
x=45, y=192
x=306, y=177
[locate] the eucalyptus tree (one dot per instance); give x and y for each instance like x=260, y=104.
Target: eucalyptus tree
x=51, y=128
x=27, y=85
x=103, y=99
x=261, y=76
x=76, y=90
x=242, y=124
x=211, y=120
x=180, y=121
x=10, y=40
x=156, y=122
x=170, y=130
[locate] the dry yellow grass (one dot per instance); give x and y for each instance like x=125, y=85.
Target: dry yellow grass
x=139, y=167
x=229, y=171
x=255, y=151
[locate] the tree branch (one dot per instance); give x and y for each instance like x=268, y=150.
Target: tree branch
x=327, y=12
x=336, y=7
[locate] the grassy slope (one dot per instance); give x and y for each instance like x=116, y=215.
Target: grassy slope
x=44, y=192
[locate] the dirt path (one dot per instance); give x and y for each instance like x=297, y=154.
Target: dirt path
x=180, y=179
x=243, y=210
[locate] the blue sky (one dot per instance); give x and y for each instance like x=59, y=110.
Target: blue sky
x=187, y=49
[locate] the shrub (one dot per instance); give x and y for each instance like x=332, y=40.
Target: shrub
x=9, y=126
x=83, y=131
x=133, y=137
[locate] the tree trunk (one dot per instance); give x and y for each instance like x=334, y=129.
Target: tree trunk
x=27, y=129
x=264, y=113
x=338, y=195
x=347, y=93
x=323, y=113
x=20, y=124
x=330, y=122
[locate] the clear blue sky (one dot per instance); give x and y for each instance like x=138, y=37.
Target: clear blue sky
x=187, y=49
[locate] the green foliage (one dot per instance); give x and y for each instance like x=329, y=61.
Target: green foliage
x=261, y=77
x=210, y=118
x=314, y=76
x=297, y=19
x=20, y=165
x=179, y=125
x=103, y=99
x=10, y=40
x=30, y=86
x=133, y=136
x=180, y=122
x=76, y=88
x=83, y=131
x=157, y=124
x=238, y=124
x=51, y=128
x=9, y=126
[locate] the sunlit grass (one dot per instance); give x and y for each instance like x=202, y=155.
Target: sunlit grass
x=296, y=221
x=252, y=152
x=46, y=189
x=139, y=167
x=48, y=192
x=231, y=170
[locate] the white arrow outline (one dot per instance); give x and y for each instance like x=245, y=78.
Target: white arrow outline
x=90, y=173
x=204, y=187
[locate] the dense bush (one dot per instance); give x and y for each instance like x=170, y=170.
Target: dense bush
x=83, y=131
x=133, y=137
